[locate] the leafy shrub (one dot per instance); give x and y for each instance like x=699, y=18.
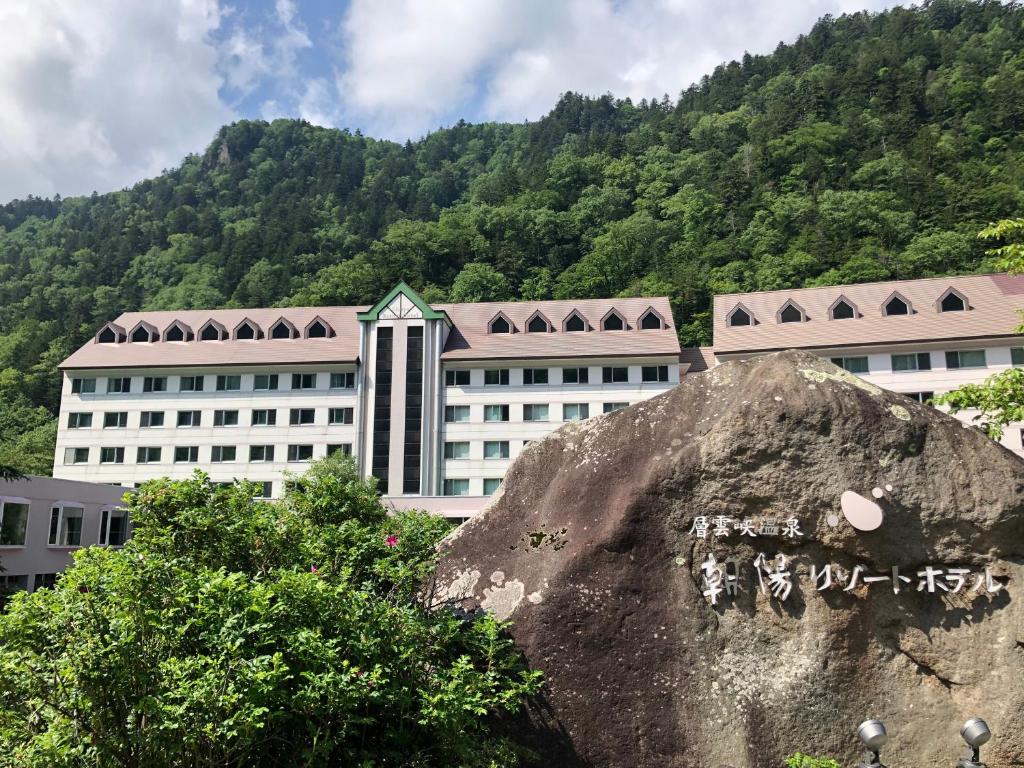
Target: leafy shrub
x=800, y=760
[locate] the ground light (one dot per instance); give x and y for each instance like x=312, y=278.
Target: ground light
x=872, y=734
x=975, y=732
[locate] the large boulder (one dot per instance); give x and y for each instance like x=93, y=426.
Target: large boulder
x=594, y=550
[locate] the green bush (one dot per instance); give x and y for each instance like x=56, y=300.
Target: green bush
x=234, y=632
x=800, y=760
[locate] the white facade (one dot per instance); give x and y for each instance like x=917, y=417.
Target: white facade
x=43, y=521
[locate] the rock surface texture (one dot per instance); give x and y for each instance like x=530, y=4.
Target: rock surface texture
x=591, y=550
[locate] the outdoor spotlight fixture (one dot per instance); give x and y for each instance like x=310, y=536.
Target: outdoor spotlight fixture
x=872, y=734
x=975, y=732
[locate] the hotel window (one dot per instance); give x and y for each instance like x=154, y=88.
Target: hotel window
x=300, y=452
x=190, y=384
x=896, y=306
x=121, y=385
x=615, y=375
x=13, y=522
x=225, y=418
x=612, y=407
x=264, y=418
x=261, y=453
x=142, y=334
x=345, y=380
x=456, y=378
x=264, y=382
x=345, y=449
x=113, y=527
x=852, y=364
x=340, y=416
x=154, y=384
x=500, y=325
x=966, y=358
x=222, y=453
x=1017, y=355
x=147, y=455
x=186, y=454
x=921, y=397
x=266, y=489
x=303, y=381
x=535, y=375
x=456, y=486
x=496, y=449
x=491, y=484
x=496, y=377
x=575, y=411
x=229, y=383
x=301, y=416
x=650, y=321
x=177, y=333
x=738, y=317
x=538, y=324
x=111, y=455
x=44, y=580
x=210, y=332
x=575, y=323
x=79, y=420
x=76, y=455
x=456, y=450
x=495, y=413
x=151, y=419
x=654, y=373
x=317, y=330
x=190, y=418
x=842, y=310
x=952, y=302
x=246, y=331
x=456, y=413
x=921, y=361
x=535, y=412
x=282, y=330
x=66, y=526
x=613, y=322
x=115, y=420
x=575, y=375
x=791, y=313
x=83, y=386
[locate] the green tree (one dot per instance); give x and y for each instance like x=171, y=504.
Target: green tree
x=480, y=282
x=234, y=632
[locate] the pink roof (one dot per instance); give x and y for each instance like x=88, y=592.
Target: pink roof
x=470, y=340
x=696, y=359
x=341, y=348
x=994, y=301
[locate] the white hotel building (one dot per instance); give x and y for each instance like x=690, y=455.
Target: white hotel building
x=918, y=337
x=434, y=401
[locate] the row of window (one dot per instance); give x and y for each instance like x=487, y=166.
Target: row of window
x=844, y=309
x=574, y=375
x=65, y=529
x=454, y=414
x=922, y=361
x=259, y=417
x=576, y=322
x=459, y=486
x=211, y=330
x=261, y=382
x=189, y=454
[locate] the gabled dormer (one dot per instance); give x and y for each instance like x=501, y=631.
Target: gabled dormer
x=538, y=323
x=401, y=303
x=283, y=329
x=843, y=309
x=143, y=333
x=791, y=312
x=651, y=320
x=952, y=301
x=613, y=320
x=247, y=330
x=575, y=322
x=740, y=316
x=212, y=330
x=317, y=328
x=897, y=304
x=500, y=323
x=178, y=331
x=111, y=333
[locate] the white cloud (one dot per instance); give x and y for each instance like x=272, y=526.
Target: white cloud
x=413, y=63
x=101, y=94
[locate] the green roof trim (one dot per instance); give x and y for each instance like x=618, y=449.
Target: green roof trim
x=429, y=313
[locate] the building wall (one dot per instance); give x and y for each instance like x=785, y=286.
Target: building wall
x=36, y=560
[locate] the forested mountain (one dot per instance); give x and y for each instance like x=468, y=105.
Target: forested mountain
x=873, y=147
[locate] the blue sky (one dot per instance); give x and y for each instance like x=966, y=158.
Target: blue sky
x=97, y=95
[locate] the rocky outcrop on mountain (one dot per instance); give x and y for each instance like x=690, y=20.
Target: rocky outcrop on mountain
x=750, y=565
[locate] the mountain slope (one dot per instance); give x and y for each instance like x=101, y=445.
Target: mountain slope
x=873, y=147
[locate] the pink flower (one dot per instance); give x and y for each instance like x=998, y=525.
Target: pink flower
x=391, y=541
x=313, y=569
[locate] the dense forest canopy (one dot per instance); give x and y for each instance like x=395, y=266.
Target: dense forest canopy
x=873, y=147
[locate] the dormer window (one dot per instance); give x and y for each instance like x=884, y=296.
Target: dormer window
x=896, y=305
x=953, y=301
x=842, y=310
x=110, y=334
x=738, y=317
x=500, y=324
x=613, y=321
x=247, y=330
x=651, y=321
x=282, y=329
x=319, y=329
x=178, y=331
x=143, y=333
x=574, y=322
x=791, y=312
x=538, y=324
x=212, y=331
